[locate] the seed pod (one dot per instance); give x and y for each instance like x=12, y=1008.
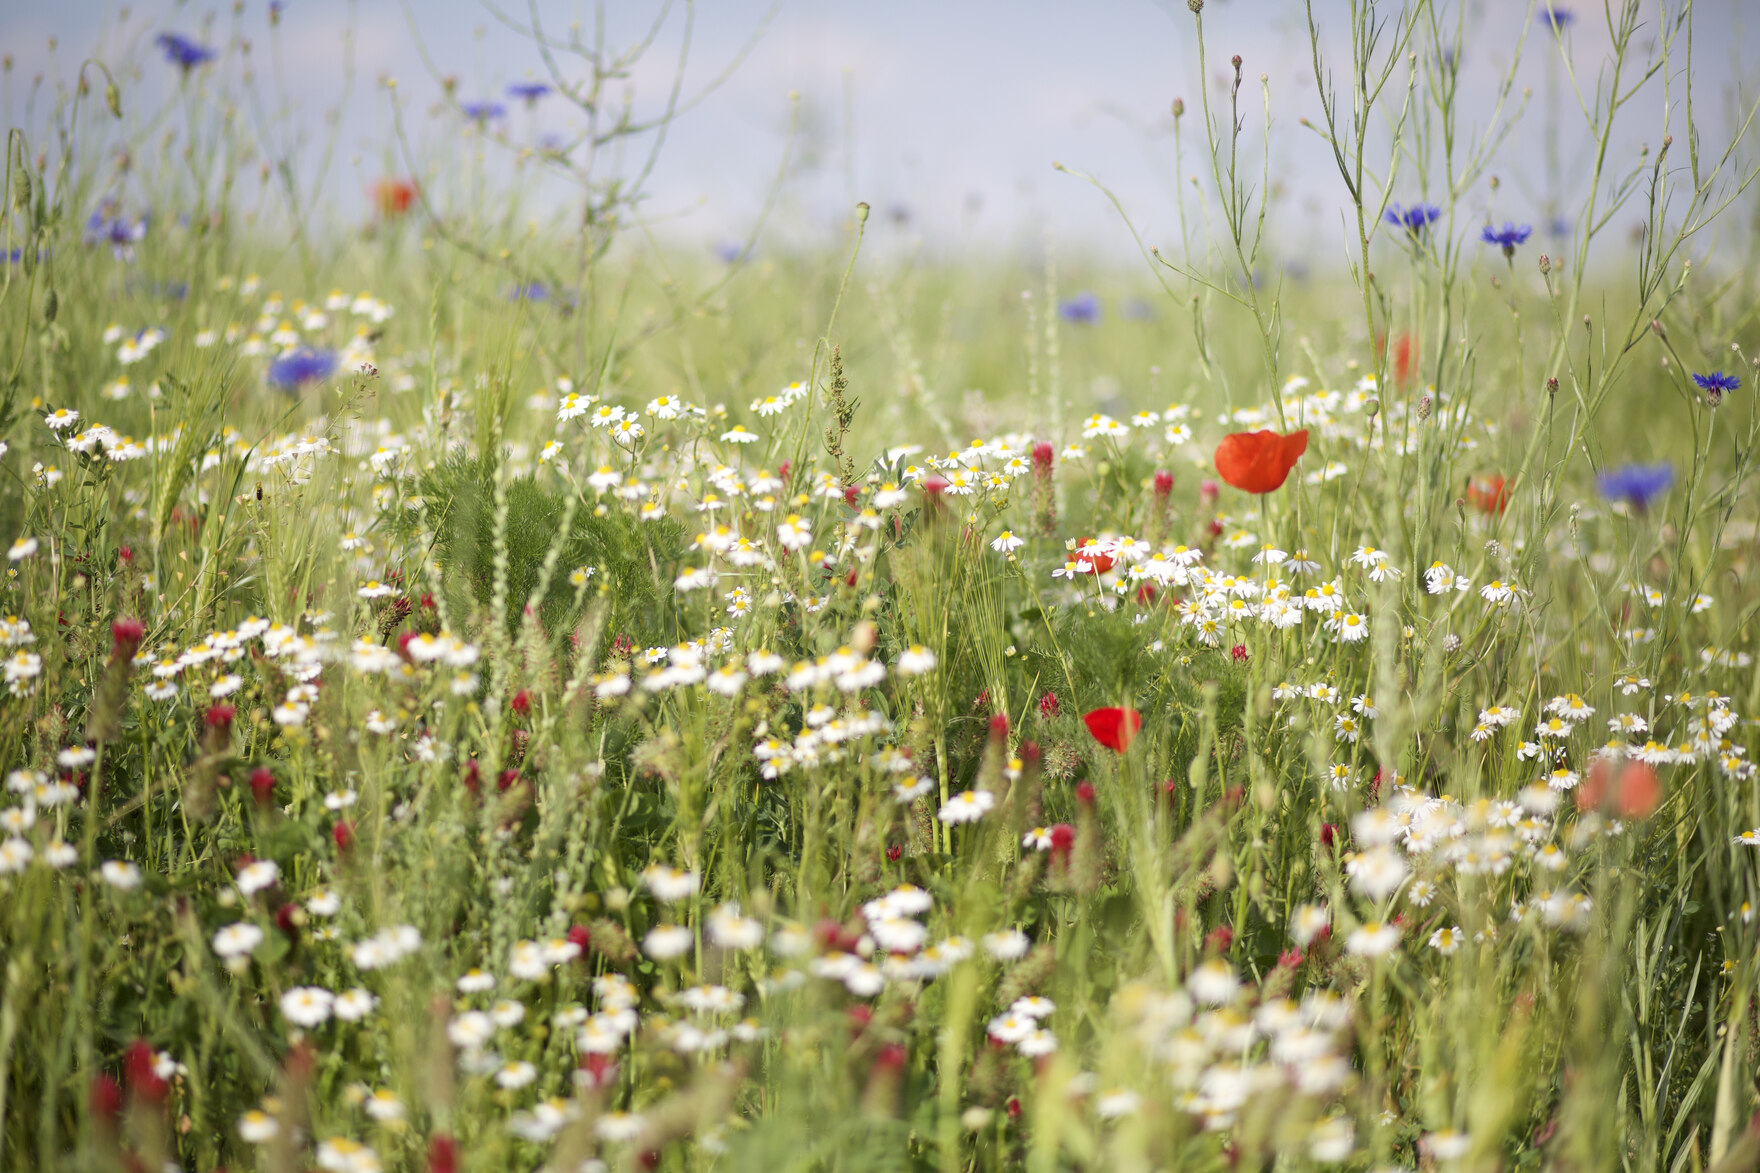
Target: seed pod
x=113, y=99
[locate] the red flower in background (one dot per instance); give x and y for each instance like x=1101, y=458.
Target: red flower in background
x=1259, y=462
x=1405, y=360
x=1113, y=728
x=1488, y=494
x=393, y=197
x=1097, y=560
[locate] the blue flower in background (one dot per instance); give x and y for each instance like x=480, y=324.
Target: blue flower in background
x=1717, y=381
x=1559, y=18
x=532, y=292
x=105, y=226
x=1636, y=484
x=183, y=52
x=296, y=368
x=1506, y=237
x=729, y=251
x=1413, y=219
x=1084, y=308
x=528, y=91
x=483, y=111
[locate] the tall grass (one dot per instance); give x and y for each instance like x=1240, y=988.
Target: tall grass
x=482, y=697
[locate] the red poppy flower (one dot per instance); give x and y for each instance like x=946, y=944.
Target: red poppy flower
x=393, y=196
x=1113, y=728
x=1259, y=462
x=1096, y=560
x=1488, y=494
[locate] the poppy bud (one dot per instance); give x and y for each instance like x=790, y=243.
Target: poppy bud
x=263, y=785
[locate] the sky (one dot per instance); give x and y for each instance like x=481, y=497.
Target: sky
x=945, y=115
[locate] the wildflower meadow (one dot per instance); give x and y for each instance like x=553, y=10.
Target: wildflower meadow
x=490, y=687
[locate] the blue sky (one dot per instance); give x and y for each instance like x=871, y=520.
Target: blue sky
x=951, y=112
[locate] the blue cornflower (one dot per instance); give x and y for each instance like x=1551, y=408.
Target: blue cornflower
x=527, y=91
x=296, y=368
x=1716, y=383
x=1559, y=18
x=1084, y=307
x=1413, y=219
x=1506, y=237
x=531, y=292
x=483, y=111
x=106, y=227
x=1636, y=484
x=729, y=251
x=183, y=52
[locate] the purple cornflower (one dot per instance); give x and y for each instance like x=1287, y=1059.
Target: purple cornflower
x=1084, y=308
x=1636, y=484
x=1413, y=219
x=296, y=368
x=106, y=227
x=482, y=111
x=528, y=91
x=1717, y=381
x=183, y=52
x=1506, y=237
x=1716, y=384
x=1558, y=18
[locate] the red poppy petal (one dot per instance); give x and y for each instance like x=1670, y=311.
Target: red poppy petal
x=1113, y=728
